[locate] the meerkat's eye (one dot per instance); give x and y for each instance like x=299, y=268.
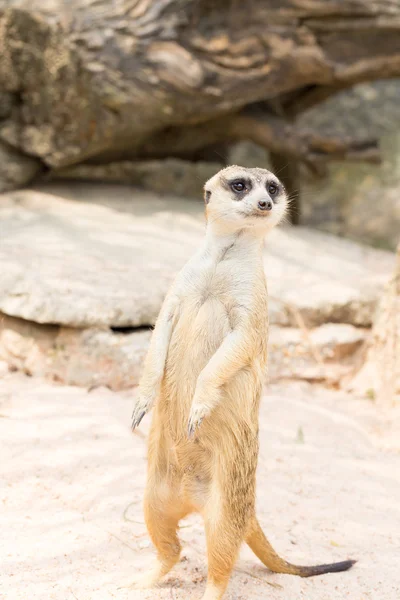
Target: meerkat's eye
x=238, y=185
x=272, y=188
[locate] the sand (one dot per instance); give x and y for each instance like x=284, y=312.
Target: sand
x=72, y=476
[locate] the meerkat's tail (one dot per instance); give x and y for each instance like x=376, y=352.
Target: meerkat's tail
x=265, y=552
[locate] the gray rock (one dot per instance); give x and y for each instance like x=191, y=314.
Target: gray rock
x=16, y=169
x=337, y=341
x=327, y=353
x=315, y=278
x=249, y=155
x=359, y=201
x=355, y=200
x=180, y=177
x=365, y=110
x=82, y=265
x=379, y=376
x=102, y=357
x=87, y=358
x=79, y=264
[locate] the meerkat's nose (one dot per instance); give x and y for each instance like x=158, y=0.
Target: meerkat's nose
x=265, y=205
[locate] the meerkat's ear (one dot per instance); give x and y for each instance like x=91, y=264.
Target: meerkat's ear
x=207, y=196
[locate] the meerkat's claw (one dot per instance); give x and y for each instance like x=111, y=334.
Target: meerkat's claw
x=143, y=404
x=193, y=426
x=136, y=418
x=196, y=418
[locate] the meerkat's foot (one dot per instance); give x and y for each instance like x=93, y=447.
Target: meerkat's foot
x=213, y=592
x=150, y=578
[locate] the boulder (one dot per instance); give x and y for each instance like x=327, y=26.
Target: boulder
x=379, y=377
x=337, y=341
x=87, y=358
x=358, y=200
x=185, y=178
x=16, y=169
x=82, y=265
x=352, y=199
x=107, y=260
x=327, y=353
x=94, y=357
x=315, y=278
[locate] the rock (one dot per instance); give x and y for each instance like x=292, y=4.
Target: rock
x=358, y=200
x=183, y=178
x=80, y=264
x=355, y=200
x=248, y=155
x=4, y=368
x=16, y=169
x=319, y=278
x=337, y=340
x=357, y=111
x=102, y=357
x=326, y=353
x=87, y=358
x=379, y=377
x=113, y=82
x=26, y=346
x=124, y=198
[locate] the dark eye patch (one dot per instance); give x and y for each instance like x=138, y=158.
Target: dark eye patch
x=240, y=186
x=273, y=188
x=207, y=196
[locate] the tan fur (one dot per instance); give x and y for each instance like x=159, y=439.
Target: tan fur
x=204, y=375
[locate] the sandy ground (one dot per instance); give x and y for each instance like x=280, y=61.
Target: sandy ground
x=72, y=478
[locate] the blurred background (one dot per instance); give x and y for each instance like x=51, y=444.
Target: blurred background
x=113, y=114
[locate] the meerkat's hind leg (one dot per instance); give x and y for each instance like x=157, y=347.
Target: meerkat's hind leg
x=224, y=533
x=165, y=561
x=162, y=514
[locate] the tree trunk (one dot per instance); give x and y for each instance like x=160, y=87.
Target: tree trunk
x=95, y=80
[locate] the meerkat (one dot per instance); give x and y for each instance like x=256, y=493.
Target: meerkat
x=204, y=375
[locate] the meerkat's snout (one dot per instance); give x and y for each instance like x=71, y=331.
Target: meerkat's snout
x=264, y=205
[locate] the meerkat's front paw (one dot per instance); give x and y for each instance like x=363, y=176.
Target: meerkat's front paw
x=203, y=402
x=138, y=413
x=197, y=414
x=143, y=404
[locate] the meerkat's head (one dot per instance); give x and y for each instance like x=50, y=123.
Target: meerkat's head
x=238, y=198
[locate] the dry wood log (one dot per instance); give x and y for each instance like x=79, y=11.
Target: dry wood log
x=99, y=80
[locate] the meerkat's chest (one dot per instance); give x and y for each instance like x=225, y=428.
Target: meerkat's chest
x=198, y=331
x=203, y=319
x=205, y=307
x=220, y=284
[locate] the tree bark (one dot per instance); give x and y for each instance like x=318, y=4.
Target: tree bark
x=94, y=80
